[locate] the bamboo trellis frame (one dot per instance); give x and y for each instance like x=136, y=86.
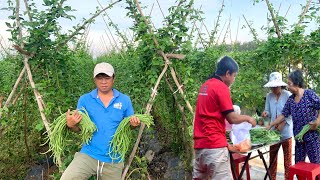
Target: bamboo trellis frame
x=153, y=94
x=27, y=55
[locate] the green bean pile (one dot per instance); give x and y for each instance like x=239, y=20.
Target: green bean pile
x=123, y=136
x=304, y=130
x=261, y=135
x=61, y=134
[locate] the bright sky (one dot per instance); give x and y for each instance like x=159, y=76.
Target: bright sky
x=234, y=9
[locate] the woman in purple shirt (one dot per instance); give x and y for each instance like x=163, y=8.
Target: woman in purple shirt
x=303, y=105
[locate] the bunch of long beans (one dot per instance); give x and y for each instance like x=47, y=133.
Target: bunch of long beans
x=261, y=135
x=304, y=130
x=123, y=136
x=61, y=135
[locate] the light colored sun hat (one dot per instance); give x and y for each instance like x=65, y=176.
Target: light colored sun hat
x=104, y=68
x=275, y=80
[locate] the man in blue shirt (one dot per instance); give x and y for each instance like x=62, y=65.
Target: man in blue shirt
x=106, y=108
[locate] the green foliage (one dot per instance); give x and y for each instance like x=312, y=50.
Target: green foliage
x=43, y=28
x=9, y=72
x=142, y=171
x=60, y=87
x=20, y=142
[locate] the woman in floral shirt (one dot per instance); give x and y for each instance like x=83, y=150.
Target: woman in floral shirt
x=303, y=105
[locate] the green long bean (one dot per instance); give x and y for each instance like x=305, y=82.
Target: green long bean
x=60, y=133
x=304, y=130
x=123, y=136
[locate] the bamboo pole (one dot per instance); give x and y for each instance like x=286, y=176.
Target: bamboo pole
x=225, y=34
x=304, y=12
x=251, y=29
x=197, y=38
x=128, y=34
x=114, y=40
x=18, y=20
x=19, y=94
x=184, y=122
x=273, y=19
x=205, y=27
x=173, y=73
x=214, y=31
x=83, y=38
x=230, y=31
x=86, y=22
x=279, y=8
x=117, y=30
x=104, y=43
x=201, y=20
x=227, y=30
x=37, y=95
x=28, y=70
x=142, y=126
x=1, y=100
x=119, y=34
x=86, y=36
x=287, y=11
x=160, y=9
x=27, y=9
x=151, y=9
x=192, y=30
x=199, y=30
x=237, y=30
x=221, y=32
x=8, y=101
x=113, y=46
x=150, y=103
x=166, y=60
x=3, y=47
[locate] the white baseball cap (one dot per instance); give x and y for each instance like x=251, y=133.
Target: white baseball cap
x=104, y=68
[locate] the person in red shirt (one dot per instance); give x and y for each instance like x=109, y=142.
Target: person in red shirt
x=214, y=105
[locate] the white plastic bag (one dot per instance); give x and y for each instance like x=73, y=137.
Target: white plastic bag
x=240, y=137
x=240, y=132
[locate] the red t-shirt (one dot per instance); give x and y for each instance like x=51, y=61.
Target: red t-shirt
x=213, y=104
